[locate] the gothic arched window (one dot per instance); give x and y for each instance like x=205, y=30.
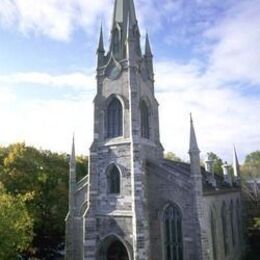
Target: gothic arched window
x=213, y=235
x=114, y=119
x=114, y=180
x=144, y=120
x=172, y=225
x=224, y=227
x=231, y=214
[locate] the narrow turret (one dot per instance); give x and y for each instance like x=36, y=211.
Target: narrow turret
x=194, y=149
x=196, y=176
x=100, y=49
x=72, y=177
x=236, y=168
x=148, y=57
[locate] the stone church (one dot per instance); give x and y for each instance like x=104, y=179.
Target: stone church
x=134, y=204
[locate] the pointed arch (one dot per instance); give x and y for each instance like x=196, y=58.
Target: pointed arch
x=224, y=227
x=114, y=245
x=172, y=232
x=213, y=227
x=231, y=215
x=113, y=179
x=238, y=218
x=145, y=120
x=114, y=118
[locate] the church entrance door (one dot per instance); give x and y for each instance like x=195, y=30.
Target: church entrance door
x=117, y=251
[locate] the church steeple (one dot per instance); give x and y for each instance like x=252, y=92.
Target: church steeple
x=101, y=42
x=124, y=18
x=148, y=51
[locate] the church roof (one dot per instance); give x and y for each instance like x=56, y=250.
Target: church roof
x=174, y=167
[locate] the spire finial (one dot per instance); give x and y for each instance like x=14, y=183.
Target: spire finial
x=148, y=51
x=101, y=41
x=193, y=140
x=73, y=155
x=124, y=21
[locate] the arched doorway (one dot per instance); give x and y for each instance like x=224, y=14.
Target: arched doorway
x=112, y=248
x=116, y=251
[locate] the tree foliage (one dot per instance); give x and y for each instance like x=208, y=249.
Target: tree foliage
x=16, y=225
x=251, y=167
x=172, y=156
x=217, y=163
x=26, y=170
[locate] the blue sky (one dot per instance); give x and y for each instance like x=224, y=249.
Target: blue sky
x=207, y=61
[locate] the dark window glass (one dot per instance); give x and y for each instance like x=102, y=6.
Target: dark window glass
x=224, y=227
x=144, y=120
x=172, y=234
x=114, y=181
x=114, y=119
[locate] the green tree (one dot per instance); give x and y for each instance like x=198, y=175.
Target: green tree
x=45, y=174
x=217, y=163
x=172, y=156
x=251, y=167
x=16, y=225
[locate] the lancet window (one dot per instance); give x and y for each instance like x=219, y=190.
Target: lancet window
x=172, y=224
x=114, y=119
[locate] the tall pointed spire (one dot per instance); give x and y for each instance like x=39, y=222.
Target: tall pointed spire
x=123, y=9
x=101, y=42
x=72, y=176
x=235, y=164
x=124, y=19
x=148, y=50
x=193, y=140
x=100, y=50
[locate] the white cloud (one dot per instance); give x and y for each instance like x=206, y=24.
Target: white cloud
x=75, y=80
x=235, y=53
x=6, y=96
x=224, y=112
x=48, y=124
x=222, y=115
x=7, y=13
x=56, y=19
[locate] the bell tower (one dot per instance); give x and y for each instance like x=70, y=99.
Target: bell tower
x=126, y=135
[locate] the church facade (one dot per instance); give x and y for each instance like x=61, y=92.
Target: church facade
x=134, y=204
